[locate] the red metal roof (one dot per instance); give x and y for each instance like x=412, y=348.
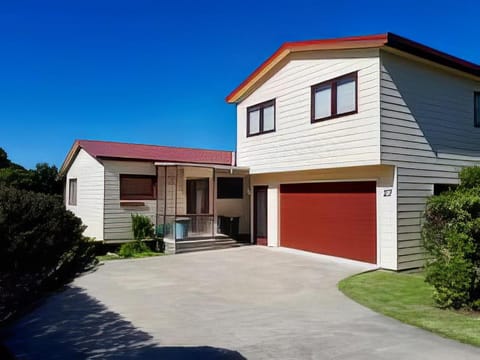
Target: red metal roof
x=118, y=150
x=354, y=42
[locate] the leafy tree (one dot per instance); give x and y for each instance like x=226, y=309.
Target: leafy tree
x=451, y=235
x=17, y=178
x=43, y=179
x=41, y=247
x=4, y=162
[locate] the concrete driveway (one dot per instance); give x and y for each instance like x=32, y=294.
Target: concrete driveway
x=250, y=302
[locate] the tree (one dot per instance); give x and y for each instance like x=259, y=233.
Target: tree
x=451, y=235
x=43, y=179
x=4, y=162
x=17, y=178
x=41, y=247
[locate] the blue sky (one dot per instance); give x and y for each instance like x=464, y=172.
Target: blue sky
x=157, y=72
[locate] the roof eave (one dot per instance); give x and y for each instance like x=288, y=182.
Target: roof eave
x=356, y=42
x=69, y=158
x=425, y=52
x=388, y=40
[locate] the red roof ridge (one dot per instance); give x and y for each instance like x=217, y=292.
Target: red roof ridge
x=352, y=42
x=157, y=146
x=100, y=149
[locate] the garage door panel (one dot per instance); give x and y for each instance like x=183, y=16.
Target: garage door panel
x=330, y=218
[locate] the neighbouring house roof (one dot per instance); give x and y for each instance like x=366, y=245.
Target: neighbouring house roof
x=125, y=151
x=387, y=40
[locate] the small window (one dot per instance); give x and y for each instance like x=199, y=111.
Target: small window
x=137, y=187
x=229, y=188
x=476, y=99
x=261, y=118
x=72, y=192
x=334, y=98
x=441, y=188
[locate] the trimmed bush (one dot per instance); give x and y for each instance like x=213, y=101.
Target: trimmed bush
x=451, y=236
x=142, y=227
x=470, y=177
x=132, y=248
x=41, y=247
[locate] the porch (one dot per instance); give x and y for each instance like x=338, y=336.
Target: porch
x=201, y=206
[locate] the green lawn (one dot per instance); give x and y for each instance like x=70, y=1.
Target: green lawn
x=408, y=298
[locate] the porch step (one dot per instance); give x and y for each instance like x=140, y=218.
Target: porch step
x=185, y=246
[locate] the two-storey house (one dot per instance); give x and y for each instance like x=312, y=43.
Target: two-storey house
x=345, y=140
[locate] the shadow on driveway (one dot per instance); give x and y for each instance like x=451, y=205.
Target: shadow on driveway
x=72, y=325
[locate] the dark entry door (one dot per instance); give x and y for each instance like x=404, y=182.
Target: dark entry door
x=260, y=215
x=197, y=196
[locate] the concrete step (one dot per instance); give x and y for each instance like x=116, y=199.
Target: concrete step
x=204, y=242
x=185, y=246
x=206, y=248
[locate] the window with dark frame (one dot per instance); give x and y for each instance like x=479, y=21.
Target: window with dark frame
x=229, y=188
x=441, y=188
x=137, y=187
x=476, y=100
x=334, y=98
x=72, y=192
x=261, y=118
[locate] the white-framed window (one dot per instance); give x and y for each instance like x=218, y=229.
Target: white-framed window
x=72, y=192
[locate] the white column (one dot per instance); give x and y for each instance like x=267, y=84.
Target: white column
x=273, y=193
x=387, y=221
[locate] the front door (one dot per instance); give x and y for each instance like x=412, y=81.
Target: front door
x=198, y=205
x=260, y=215
x=197, y=196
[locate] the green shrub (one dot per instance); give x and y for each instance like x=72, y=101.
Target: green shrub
x=451, y=236
x=470, y=177
x=142, y=227
x=41, y=247
x=130, y=249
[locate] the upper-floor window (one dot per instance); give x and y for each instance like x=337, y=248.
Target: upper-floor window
x=137, y=187
x=334, y=98
x=476, y=98
x=261, y=118
x=72, y=192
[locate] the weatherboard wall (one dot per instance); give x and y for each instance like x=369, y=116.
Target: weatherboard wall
x=90, y=186
x=297, y=144
x=428, y=133
x=118, y=222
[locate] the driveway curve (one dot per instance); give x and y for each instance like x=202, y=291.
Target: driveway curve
x=250, y=302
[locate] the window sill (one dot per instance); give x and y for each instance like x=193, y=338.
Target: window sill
x=261, y=133
x=131, y=203
x=336, y=116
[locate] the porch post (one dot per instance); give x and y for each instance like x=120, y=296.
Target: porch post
x=214, y=191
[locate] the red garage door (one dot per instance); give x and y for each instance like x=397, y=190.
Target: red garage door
x=336, y=219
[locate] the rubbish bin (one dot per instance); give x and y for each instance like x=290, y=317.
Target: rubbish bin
x=181, y=228
x=222, y=225
x=234, y=224
x=229, y=225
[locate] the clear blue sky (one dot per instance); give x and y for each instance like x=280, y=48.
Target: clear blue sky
x=157, y=72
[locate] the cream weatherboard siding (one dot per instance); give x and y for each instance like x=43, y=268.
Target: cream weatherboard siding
x=427, y=132
x=297, y=144
x=118, y=220
x=89, y=175
x=235, y=207
x=384, y=176
x=177, y=178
